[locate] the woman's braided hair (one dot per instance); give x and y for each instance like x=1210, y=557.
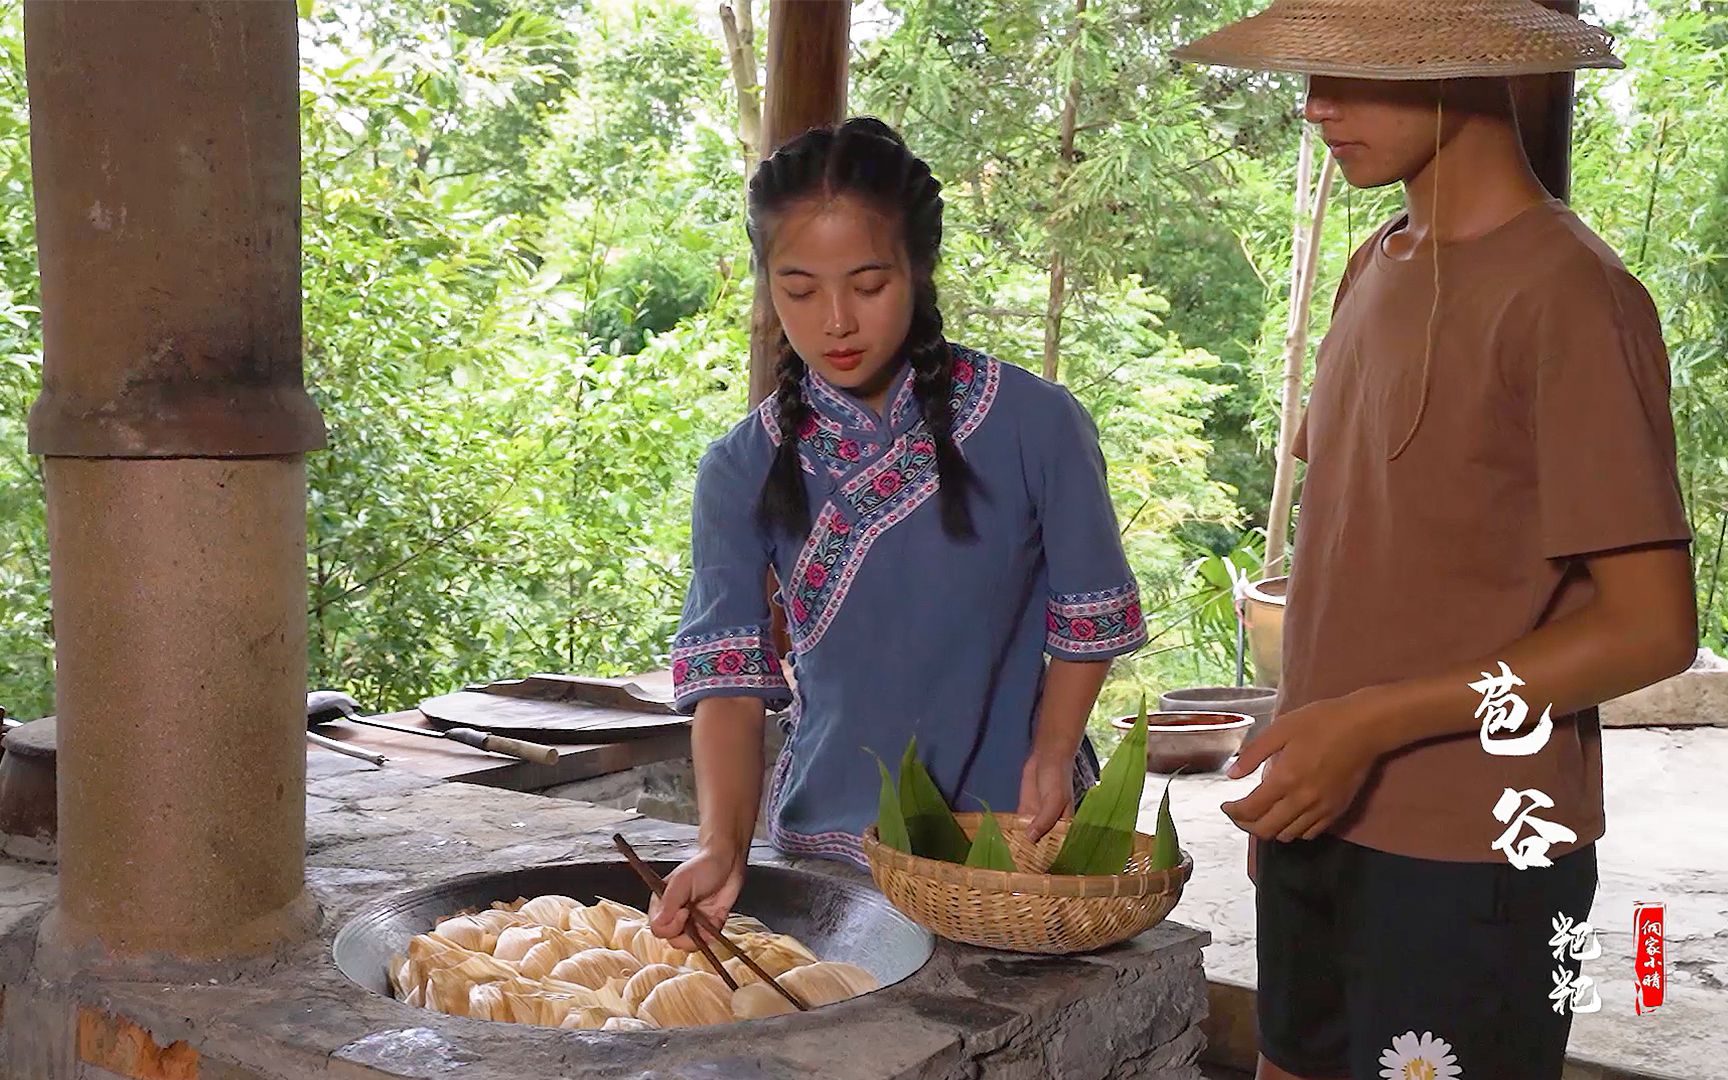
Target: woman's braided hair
x=862, y=157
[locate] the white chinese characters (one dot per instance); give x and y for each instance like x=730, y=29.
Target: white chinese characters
x=1577, y=992
x=1576, y=938
x=1531, y=850
x=1578, y=941
x=1502, y=710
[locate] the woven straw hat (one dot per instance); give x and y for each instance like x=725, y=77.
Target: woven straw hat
x=1406, y=39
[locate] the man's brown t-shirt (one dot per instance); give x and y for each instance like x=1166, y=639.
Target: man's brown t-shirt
x=1545, y=435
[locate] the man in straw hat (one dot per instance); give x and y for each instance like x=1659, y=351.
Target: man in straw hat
x=1491, y=543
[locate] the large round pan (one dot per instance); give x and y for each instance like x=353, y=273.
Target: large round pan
x=836, y=919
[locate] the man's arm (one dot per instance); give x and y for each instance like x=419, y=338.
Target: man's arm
x=1639, y=628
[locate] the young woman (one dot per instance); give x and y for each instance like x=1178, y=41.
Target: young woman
x=1492, y=543
x=949, y=560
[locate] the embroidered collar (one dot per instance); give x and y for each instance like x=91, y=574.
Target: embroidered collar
x=842, y=434
x=841, y=408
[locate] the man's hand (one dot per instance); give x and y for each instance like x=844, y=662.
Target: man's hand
x=1324, y=753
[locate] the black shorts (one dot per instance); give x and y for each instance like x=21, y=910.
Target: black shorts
x=1358, y=947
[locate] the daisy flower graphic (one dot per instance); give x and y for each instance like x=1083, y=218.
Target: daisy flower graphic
x=1425, y=1058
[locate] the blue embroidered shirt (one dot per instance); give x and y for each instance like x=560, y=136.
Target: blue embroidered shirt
x=898, y=629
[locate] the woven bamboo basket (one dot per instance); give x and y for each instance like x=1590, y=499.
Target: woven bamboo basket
x=1028, y=911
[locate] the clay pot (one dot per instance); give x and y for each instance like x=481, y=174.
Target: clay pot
x=28, y=822
x=1263, y=614
x=1255, y=701
x=1190, y=742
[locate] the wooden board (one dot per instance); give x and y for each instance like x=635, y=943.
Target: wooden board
x=560, y=709
x=450, y=760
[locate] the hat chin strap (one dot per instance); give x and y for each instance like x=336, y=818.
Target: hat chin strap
x=1434, y=310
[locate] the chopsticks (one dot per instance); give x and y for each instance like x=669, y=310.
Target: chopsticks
x=658, y=884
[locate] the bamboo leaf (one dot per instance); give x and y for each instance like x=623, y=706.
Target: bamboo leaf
x=890, y=817
x=989, y=849
x=930, y=824
x=1101, y=837
x=1166, y=853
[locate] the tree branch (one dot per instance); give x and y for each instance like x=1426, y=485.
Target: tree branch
x=740, y=33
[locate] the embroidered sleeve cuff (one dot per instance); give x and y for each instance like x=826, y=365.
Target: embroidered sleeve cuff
x=1095, y=625
x=739, y=662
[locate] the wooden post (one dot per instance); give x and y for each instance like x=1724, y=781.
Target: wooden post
x=806, y=87
x=1545, y=105
x=807, y=68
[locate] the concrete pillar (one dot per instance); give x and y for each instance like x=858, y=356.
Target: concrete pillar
x=173, y=419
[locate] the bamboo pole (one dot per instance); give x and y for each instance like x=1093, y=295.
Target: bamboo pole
x=1295, y=353
x=1058, y=295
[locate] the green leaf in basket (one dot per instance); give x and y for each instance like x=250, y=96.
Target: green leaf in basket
x=1166, y=855
x=989, y=849
x=1101, y=837
x=890, y=818
x=930, y=824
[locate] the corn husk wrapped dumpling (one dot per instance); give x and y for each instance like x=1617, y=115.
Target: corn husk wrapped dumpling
x=447, y=991
x=650, y=948
x=467, y=932
x=590, y=1018
x=556, y=945
x=738, y=926
x=758, y=1001
x=604, y=917
x=486, y=1001
x=514, y=943
x=626, y=1023
x=779, y=953
x=693, y=999
x=496, y=921
x=593, y=967
x=550, y=910
x=826, y=982
x=641, y=984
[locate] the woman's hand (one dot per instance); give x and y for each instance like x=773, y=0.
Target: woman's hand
x=712, y=879
x=1046, y=791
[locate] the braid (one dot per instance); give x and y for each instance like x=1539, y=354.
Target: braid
x=784, y=504
x=933, y=384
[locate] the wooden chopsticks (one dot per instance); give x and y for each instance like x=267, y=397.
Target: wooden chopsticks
x=705, y=928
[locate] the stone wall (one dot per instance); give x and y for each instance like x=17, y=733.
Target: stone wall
x=1694, y=698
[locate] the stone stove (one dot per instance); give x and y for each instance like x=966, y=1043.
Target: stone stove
x=372, y=834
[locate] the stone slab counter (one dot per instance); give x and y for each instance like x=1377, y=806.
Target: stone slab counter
x=1134, y=1011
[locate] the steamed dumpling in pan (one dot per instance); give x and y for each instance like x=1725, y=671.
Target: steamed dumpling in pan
x=550, y=910
x=514, y=943
x=592, y=967
x=827, y=982
x=642, y=983
x=694, y=999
